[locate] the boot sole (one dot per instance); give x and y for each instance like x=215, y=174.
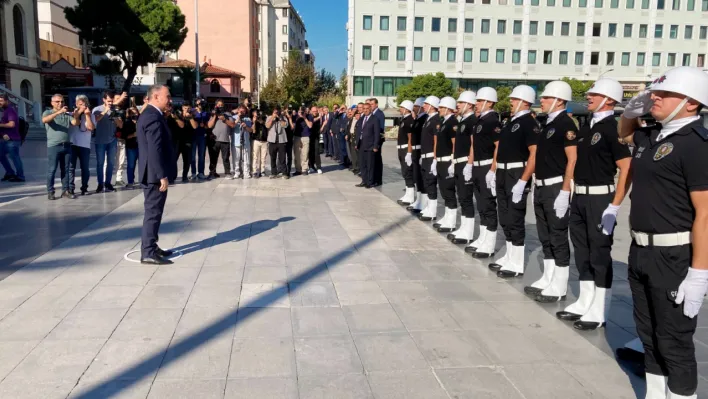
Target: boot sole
x=532, y=290
x=460, y=241
x=587, y=325
x=567, y=316
x=507, y=274
x=444, y=229
x=403, y=203
x=482, y=255
x=495, y=267
x=549, y=299
x=470, y=250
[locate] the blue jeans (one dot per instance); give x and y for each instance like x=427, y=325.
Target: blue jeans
x=82, y=154
x=59, y=155
x=11, y=149
x=104, y=151
x=132, y=154
x=199, y=144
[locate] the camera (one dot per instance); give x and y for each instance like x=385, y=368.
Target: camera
x=117, y=112
x=200, y=102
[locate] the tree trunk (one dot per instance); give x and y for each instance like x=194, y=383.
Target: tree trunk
x=132, y=72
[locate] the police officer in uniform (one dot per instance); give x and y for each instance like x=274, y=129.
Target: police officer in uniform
x=463, y=167
x=668, y=258
x=444, y=153
x=595, y=203
x=516, y=161
x=555, y=160
x=405, y=133
x=428, y=164
x=421, y=200
x=484, y=143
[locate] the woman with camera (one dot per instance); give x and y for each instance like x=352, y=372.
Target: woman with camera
x=80, y=136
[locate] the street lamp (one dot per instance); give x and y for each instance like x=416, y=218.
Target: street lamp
x=196, y=41
x=603, y=74
x=372, y=78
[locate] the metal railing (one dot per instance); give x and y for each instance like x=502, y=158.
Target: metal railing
x=31, y=111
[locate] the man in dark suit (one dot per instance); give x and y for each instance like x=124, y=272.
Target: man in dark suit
x=155, y=168
x=334, y=133
x=369, y=145
x=378, y=164
x=327, y=118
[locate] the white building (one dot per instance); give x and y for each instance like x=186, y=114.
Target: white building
x=508, y=42
x=53, y=25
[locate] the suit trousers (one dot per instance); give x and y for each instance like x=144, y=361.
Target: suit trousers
x=430, y=181
x=301, y=150
x=552, y=231
x=225, y=150
x=260, y=153
x=314, y=157
x=367, y=167
x=325, y=142
x=378, y=166
x=486, y=201
x=512, y=217
x=154, y=206
x=446, y=183
x=343, y=149
x=465, y=192
x=333, y=146
x=353, y=156
x=406, y=171
x=592, y=248
x=417, y=173
x=289, y=156
x=277, y=158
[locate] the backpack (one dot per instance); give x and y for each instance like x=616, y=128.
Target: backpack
x=24, y=129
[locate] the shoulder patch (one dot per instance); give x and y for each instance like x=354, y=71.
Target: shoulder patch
x=437, y=127
x=663, y=151
x=515, y=127
x=595, y=138
x=454, y=128
x=570, y=135
x=479, y=129
x=701, y=131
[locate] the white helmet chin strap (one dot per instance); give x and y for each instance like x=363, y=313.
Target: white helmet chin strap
x=675, y=112
x=602, y=104
x=484, y=106
x=553, y=106
x=517, y=107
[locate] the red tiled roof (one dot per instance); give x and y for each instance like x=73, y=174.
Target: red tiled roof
x=205, y=68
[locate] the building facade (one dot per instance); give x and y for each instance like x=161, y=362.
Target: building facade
x=53, y=26
x=480, y=43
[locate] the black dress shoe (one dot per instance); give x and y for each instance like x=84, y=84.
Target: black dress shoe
x=532, y=291
x=481, y=255
x=587, y=325
x=15, y=179
x=360, y=185
x=50, y=196
x=444, y=229
x=470, y=250
x=549, y=299
x=155, y=260
x=494, y=267
x=403, y=203
x=68, y=195
x=109, y=188
x=568, y=316
x=164, y=253
x=99, y=189
x=7, y=177
x=84, y=191
x=508, y=274
x=425, y=218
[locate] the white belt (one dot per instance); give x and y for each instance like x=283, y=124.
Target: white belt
x=444, y=159
x=428, y=155
x=400, y=147
x=549, y=182
x=661, y=240
x=460, y=160
x=595, y=190
x=483, y=163
x=511, y=165
x=416, y=147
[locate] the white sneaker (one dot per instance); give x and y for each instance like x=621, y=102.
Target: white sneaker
x=247, y=177
x=319, y=171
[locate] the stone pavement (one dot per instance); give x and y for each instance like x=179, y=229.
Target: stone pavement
x=306, y=288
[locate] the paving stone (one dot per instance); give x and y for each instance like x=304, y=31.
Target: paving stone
x=219, y=275
x=309, y=321
x=122, y=389
x=345, y=386
x=509, y=346
x=448, y=349
x=126, y=360
x=87, y=324
x=425, y=316
x=476, y=315
x=372, y=318
x=214, y=296
x=262, y=357
x=148, y=324
x=12, y=353
x=544, y=381
x=56, y=297
x=420, y=384
x=326, y=355
x=207, y=360
x=406, y=292
x=477, y=383
x=359, y=293
x=129, y=275
x=187, y=389
x=263, y=322
x=30, y=388
x=266, y=274
x=262, y=295
x=110, y=297
x=614, y=381
x=350, y=272
x=386, y=352
x=271, y=388
x=58, y=360
x=27, y=325
x=13, y=295
x=163, y=297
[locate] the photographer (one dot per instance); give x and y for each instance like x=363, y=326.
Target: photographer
x=201, y=118
x=107, y=122
x=222, y=126
x=182, y=138
x=301, y=140
x=80, y=133
x=260, y=144
x=277, y=139
x=315, y=160
x=241, y=144
x=57, y=121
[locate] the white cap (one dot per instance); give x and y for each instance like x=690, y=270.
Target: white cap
x=407, y=105
x=525, y=93
x=467, y=97
x=433, y=101
x=609, y=88
x=688, y=81
x=449, y=103
x=419, y=101
x=487, y=94
x=558, y=89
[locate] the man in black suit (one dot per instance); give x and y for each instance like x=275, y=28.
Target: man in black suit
x=325, y=129
x=369, y=145
x=378, y=164
x=155, y=168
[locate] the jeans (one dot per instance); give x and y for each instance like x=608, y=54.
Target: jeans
x=59, y=155
x=198, y=147
x=121, y=160
x=105, y=153
x=11, y=149
x=132, y=155
x=82, y=154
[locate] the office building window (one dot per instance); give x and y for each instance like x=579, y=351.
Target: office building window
x=627, y=30
x=598, y=3
x=383, y=23
x=645, y=4
x=532, y=57
x=533, y=28
x=485, y=25
x=582, y=3
x=551, y=3
x=435, y=26
x=435, y=54
x=383, y=53
x=484, y=55
x=704, y=5
x=563, y=58
x=452, y=25
x=691, y=6
x=566, y=3
x=688, y=32
x=656, y=59
x=630, y=4
x=400, y=53
x=517, y=27
x=419, y=25
x=660, y=4
x=579, y=58
x=671, y=59
x=673, y=32
x=614, y=3
x=285, y=46
x=285, y=29
x=701, y=60
x=596, y=29
x=519, y=2
x=625, y=59
x=643, y=30
x=366, y=53
x=417, y=54
x=469, y=25
x=368, y=22
x=534, y=2
x=401, y=23
x=500, y=56
x=658, y=31
x=612, y=30
x=581, y=29
x=686, y=60
x=610, y=58
x=640, y=59
x=501, y=27
x=515, y=56
x=594, y=58
x=468, y=55
x=548, y=57
x=676, y=5
x=703, y=33
x=285, y=12
x=565, y=28
x=549, y=28
x=451, y=54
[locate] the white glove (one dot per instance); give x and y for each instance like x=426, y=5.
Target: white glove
x=434, y=167
x=409, y=159
x=420, y=160
x=608, y=219
x=639, y=105
x=467, y=172
x=491, y=179
x=451, y=171
x=692, y=290
x=517, y=192
x=561, y=204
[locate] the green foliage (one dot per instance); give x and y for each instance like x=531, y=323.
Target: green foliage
x=343, y=84
x=273, y=94
x=325, y=82
x=504, y=103
x=298, y=80
x=579, y=87
x=329, y=99
x=188, y=76
x=425, y=85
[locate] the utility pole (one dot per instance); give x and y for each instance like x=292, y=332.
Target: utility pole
x=196, y=42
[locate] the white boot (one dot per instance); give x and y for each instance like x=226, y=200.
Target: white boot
x=594, y=318
x=578, y=308
x=430, y=211
x=677, y=396
x=450, y=220
x=446, y=216
x=558, y=288
x=419, y=204
x=486, y=248
x=545, y=280
x=656, y=386
x=514, y=266
x=478, y=242
x=499, y=263
x=408, y=198
x=465, y=233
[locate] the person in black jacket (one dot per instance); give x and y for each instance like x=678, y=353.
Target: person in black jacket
x=368, y=147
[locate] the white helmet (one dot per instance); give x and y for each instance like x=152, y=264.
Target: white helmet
x=558, y=89
x=467, y=97
x=407, y=105
x=487, y=94
x=524, y=93
x=433, y=101
x=688, y=81
x=419, y=102
x=449, y=103
x=609, y=88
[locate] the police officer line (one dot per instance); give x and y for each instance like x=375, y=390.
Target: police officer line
x=460, y=148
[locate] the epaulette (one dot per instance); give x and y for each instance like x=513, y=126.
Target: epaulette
x=702, y=131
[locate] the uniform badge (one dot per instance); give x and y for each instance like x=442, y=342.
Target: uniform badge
x=571, y=135
x=479, y=129
x=454, y=128
x=595, y=138
x=663, y=150
x=581, y=139
x=536, y=130
x=462, y=129
x=550, y=133
x=515, y=127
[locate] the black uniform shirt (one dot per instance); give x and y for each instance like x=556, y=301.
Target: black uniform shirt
x=599, y=148
x=463, y=138
x=405, y=128
x=516, y=138
x=445, y=135
x=486, y=134
x=430, y=129
x=664, y=174
x=418, y=129
x=550, y=153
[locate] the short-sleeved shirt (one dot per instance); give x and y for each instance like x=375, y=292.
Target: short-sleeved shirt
x=664, y=173
x=222, y=131
x=516, y=138
x=485, y=136
x=430, y=130
x=463, y=138
x=404, y=129
x=10, y=114
x=105, y=132
x=418, y=129
x=550, y=153
x=79, y=135
x=240, y=134
x=301, y=128
x=599, y=148
x=57, y=129
x=447, y=132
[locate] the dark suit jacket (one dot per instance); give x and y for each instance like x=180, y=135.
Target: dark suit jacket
x=382, y=123
x=327, y=126
x=370, y=134
x=155, y=160
x=357, y=131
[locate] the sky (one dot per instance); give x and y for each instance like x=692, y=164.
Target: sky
x=325, y=22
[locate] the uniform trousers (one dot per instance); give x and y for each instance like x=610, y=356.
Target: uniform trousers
x=512, y=217
x=465, y=191
x=406, y=171
x=655, y=274
x=446, y=183
x=486, y=202
x=592, y=248
x=154, y=206
x=367, y=167
x=430, y=182
x=552, y=231
x=417, y=173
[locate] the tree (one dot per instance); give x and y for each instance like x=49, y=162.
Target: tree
x=298, y=80
x=325, y=82
x=329, y=99
x=109, y=68
x=188, y=76
x=504, y=103
x=135, y=31
x=579, y=87
x=343, y=84
x=273, y=94
x=425, y=85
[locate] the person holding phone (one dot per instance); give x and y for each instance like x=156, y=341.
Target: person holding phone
x=57, y=121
